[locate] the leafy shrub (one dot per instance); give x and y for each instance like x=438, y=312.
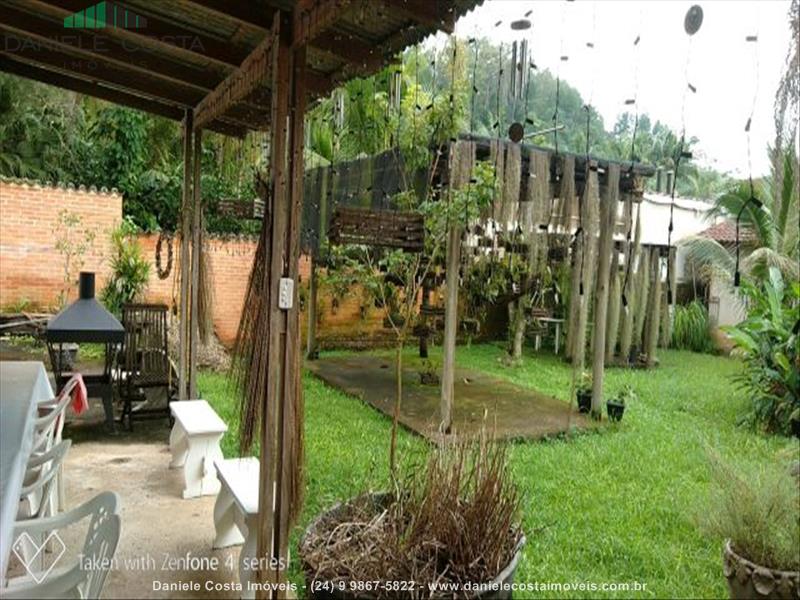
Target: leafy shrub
x=129, y=268
x=690, y=329
x=769, y=343
x=757, y=510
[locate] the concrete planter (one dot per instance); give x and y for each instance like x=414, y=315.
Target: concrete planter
x=747, y=580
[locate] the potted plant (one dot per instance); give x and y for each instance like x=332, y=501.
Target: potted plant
x=584, y=392
x=615, y=407
x=453, y=522
x=755, y=512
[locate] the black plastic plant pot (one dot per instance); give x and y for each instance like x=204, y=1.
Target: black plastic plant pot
x=796, y=428
x=584, y=401
x=615, y=410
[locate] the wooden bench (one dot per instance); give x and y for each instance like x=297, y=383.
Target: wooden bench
x=194, y=444
x=236, y=513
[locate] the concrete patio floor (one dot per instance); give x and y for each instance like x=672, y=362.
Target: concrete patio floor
x=480, y=401
x=157, y=524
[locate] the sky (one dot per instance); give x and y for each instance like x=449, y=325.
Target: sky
x=731, y=76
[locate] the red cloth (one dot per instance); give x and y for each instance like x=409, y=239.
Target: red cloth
x=80, y=397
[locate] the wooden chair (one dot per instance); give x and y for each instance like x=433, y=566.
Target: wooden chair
x=144, y=361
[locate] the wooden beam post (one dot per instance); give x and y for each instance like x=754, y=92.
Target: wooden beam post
x=608, y=217
x=653, y=318
x=197, y=208
x=450, y=325
x=183, y=358
x=280, y=489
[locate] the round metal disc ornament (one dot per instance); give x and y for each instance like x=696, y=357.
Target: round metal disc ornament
x=516, y=132
x=520, y=25
x=693, y=19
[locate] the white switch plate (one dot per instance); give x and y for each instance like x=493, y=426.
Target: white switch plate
x=286, y=293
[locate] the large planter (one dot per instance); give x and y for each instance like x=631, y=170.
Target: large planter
x=324, y=590
x=747, y=580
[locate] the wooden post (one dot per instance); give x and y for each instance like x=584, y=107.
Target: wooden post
x=590, y=203
x=194, y=318
x=608, y=217
x=282, y=416
x=183, y=322
x=311, y=331
x=450, y=324
x=612, y=320
x=653, y=320
x=642, y=294
x=630, y=291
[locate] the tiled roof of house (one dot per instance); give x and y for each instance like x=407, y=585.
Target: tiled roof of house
x=724, y=232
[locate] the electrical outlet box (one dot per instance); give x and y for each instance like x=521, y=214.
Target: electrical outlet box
x=286, y=293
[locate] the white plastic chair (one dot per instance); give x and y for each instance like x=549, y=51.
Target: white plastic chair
x=48, y=430
x=100, y=544
x=36, y=495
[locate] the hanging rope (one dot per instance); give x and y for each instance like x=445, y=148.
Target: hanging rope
x=750, y=39
x=691, y=24
x=635, y=102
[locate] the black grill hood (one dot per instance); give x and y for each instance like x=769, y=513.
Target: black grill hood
x=85, y=320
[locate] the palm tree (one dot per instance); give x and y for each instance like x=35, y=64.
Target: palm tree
x=773, y=222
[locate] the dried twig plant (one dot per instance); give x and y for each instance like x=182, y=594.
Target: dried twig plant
x=452, y=523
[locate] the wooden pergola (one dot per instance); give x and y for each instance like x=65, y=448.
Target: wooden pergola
x=228, y=66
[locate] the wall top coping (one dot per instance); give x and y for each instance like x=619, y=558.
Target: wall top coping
x=67, y=187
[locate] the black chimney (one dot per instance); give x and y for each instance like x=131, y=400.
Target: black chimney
x=86, y=286
x=85, y=320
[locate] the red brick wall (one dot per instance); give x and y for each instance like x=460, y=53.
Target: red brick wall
x=31, y=269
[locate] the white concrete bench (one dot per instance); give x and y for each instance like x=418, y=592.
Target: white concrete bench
x=194, y=444
x=236, y=513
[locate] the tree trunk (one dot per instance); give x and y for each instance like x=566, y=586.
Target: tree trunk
x=608, y=215
x=518, y=312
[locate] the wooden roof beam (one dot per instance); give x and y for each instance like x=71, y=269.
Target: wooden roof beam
x=428, y=13
x=312, y=18
x=167, y=35
x=109, y=94
x=348, y=48
x=239, y=85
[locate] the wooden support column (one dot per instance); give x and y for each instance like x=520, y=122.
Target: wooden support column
x=653, y=318
x=450, y=324
x=608, y=217
x=183, y=358
x=630, y=291
x=311, y=330
x=197, y=208
x=280, y=489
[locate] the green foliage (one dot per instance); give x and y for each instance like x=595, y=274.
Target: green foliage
x=626, y=395
x=757, y=509
x=129, y=268
x=585, y=383
x=72, y=241
x=691, y=329
x=772, y=366
x=588, y=512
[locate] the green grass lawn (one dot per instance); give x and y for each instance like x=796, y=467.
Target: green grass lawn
x=613, y=506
